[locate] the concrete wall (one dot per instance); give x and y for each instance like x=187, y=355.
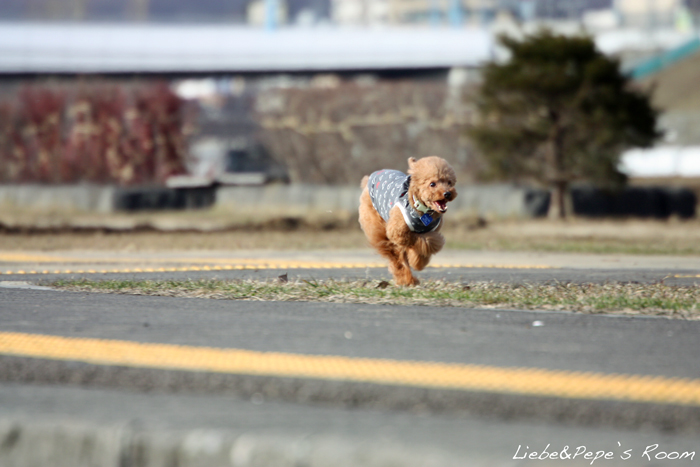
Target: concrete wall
x=292, y=200
x=276, y=199
x=86, y=198
x=500, y=200
x=489, y=201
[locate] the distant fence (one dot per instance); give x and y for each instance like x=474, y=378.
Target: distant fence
x=490, y=201
x=143, y=199
x=650, y=202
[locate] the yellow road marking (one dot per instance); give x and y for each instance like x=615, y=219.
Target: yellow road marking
x=267, y=265
x=523, y=381
x=230, y=263
x=29, y=258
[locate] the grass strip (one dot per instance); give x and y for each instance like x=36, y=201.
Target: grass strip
x=596, y=246
x=618, y=298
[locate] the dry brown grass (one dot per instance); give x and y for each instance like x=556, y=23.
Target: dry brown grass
x=628, y=299
x=671, y=237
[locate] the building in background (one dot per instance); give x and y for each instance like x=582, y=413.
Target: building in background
x=529, y=10
x=413, y=12
x=648, y=14
x=258, y=13
x=360, y=12
x=183, y=11
x=613, y=13
x=409, y=39
x=596, y=13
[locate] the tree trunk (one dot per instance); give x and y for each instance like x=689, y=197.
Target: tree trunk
x=559, y=183
x=557, y=200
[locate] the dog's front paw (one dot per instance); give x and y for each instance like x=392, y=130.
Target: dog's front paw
x=406, y=281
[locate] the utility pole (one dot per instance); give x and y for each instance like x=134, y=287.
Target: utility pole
x=139, y=10
x=78, y=13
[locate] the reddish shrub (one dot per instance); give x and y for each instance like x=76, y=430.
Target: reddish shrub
x=97, y=133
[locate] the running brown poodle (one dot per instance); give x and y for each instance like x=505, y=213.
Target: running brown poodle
x=401, y=214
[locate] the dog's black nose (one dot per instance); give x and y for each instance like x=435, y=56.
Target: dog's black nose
x=448, y=194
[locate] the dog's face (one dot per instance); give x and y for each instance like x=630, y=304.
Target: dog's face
x=432, y=182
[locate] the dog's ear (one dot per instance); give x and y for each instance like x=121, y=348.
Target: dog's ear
x=411, y=162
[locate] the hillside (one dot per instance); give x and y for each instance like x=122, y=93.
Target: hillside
x=677, y=87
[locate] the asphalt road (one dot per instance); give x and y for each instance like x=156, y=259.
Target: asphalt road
x=563, y=341
x=416, y=424
x=237, y=415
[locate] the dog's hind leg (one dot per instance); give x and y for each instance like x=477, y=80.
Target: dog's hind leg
x=371, y=222
x=393, y=249
x=363, y=183
x=374, y=228
x=401, y=239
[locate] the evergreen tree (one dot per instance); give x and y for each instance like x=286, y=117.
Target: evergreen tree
x=559, y=111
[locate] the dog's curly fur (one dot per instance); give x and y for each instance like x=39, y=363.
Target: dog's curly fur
x=393, y=239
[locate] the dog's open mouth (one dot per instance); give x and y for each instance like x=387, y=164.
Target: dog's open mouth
x=440, y=205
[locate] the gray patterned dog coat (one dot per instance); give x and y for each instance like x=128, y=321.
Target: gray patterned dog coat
x=389, y=188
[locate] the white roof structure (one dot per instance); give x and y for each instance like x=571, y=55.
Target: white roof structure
x=662, y=161
x=176, y=48
x=637, y=39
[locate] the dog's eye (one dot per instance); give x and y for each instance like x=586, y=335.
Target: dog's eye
x=432, y=184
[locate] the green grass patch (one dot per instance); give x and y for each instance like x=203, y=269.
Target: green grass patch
x=634, y=299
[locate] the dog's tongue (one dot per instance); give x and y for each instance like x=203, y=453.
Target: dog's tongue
x=441, y=205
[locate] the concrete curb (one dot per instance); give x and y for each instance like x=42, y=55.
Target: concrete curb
x=349, y=394
x=71, y=443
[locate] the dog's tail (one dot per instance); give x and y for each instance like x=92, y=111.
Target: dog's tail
x=363, y=183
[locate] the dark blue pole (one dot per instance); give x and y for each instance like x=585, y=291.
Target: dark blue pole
x=271, y=15
x=455, y=13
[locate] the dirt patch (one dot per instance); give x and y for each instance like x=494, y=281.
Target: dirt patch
x=151, y=240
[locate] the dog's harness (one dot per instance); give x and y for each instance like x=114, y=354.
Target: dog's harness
x=389, y=188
